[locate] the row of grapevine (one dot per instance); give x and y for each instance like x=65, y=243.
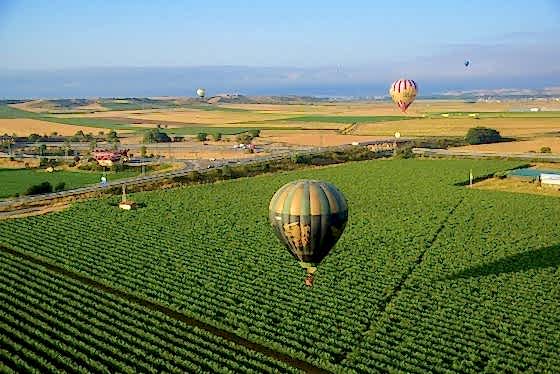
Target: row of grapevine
x=51, y=323
x=486, y=297
x=207, y=251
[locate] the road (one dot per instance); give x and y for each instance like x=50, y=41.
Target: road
x=201, y=166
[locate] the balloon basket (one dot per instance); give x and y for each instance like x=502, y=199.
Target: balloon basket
x=310, y=270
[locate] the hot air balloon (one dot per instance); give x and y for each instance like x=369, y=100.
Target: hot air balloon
x=308, y=217
x=201, y=92
x=403, y=92
x=467, y=63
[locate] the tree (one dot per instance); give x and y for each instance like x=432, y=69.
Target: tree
x=44, y=187
x=67, y=147
x=255, y=133
x=482, y=135
x=244, y=138
x=42, y=149
x=111, y=135
x=59, y=187
x=156, y=136
x=201, y=136
x=143, y=151
x=33, y=138
x=92, y=145
x=217, y=136
x=546, y=150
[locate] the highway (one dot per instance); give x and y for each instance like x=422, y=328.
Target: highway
x=202, y=166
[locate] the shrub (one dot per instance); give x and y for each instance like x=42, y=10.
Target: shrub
x=546, y=150
x=60, y=187
x=404, y=152
x=255, y=133
x=244, y=138
x=40, y=188
x=482, y=135
x=156, y=136
x=201, y=136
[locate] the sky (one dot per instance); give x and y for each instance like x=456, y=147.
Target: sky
x=60, y=48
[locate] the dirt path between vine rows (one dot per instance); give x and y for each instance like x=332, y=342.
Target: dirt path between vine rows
x=384, y=305
x=224, y=334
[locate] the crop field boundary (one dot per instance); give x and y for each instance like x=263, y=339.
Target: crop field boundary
x=384, y=305
x=224, y=334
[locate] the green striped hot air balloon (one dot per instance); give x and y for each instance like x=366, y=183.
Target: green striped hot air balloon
x=308, y=216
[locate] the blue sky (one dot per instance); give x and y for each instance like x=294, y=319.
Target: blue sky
x=303, y=42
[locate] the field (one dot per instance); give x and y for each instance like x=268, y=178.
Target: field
x=507, y=126
x=522, y=146
x=428, y=277
x=18, y=180
x=297, y=123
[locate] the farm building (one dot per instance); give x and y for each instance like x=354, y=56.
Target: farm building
x=107, y=158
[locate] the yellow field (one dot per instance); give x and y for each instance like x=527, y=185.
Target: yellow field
x=533, y=145
x=26, y=127
x=314, y=130
x=460, y=126
x=513, y=185
x=325, y=139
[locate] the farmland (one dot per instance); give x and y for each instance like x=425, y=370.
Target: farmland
x=295, y=123
x=428, y=277
x=16, y=181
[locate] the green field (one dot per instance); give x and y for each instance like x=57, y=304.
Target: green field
x=7, y=112
x=16, y=181
x=428, y=277
x=342, y=119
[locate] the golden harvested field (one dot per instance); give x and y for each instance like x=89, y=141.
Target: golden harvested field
x=312, y=120
x=460, y=126
x=35, y=106
x=380, y=108
x=518, y=186
x=318, y=140
x=521, y=146
x=6, y=163
x=27, y=126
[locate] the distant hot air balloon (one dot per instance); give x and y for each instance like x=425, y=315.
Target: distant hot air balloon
x=201, y=92
x=308, y=216
x=467, y=63
x=403, y=92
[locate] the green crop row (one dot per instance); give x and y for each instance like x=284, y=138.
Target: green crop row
x=208, y=252
x=52, y=323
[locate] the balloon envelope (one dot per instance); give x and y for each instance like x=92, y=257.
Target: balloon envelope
x=308, y=217
x=403, y=92
x=467, y=63
x=201, y=92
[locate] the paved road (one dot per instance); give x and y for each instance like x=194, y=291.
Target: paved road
x=201, y=166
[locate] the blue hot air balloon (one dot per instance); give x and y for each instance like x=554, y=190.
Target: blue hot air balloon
x=467, y=63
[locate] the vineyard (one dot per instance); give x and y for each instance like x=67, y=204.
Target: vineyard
x=428, y=277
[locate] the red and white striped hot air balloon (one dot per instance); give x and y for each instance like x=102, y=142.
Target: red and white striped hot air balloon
x=403, y=92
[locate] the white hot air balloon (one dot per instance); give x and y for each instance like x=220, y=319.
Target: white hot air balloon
x=201, y=92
